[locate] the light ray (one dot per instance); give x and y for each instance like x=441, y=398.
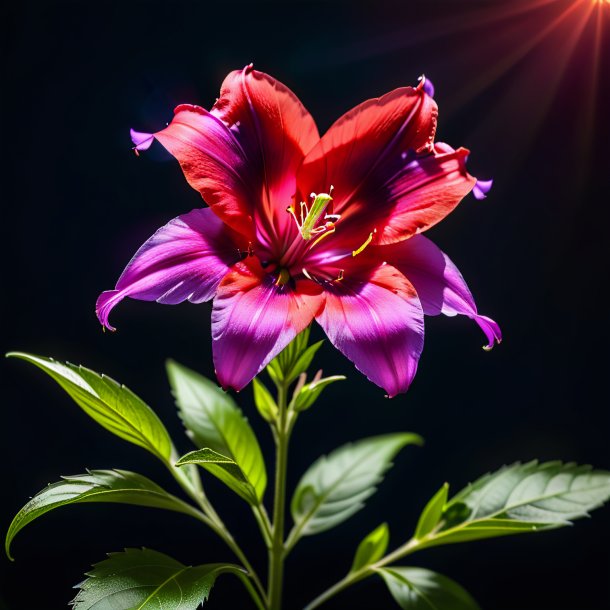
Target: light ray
x=498, y=69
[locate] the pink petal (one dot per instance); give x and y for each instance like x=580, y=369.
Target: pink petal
x=377, y=322
x=439, y=284
x=184, y=260
x=254, y=319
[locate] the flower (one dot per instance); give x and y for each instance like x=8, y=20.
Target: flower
x=301, y=228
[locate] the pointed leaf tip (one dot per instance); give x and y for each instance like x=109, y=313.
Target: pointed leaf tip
x=372, y=548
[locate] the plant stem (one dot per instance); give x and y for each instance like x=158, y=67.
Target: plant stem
x=218, y=528
x=276, y=552
x=263, y=523
x=354, y=577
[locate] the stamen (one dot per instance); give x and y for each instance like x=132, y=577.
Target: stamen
x=340, y=276
x=290, y=210
x=310, y=216
x=306, y=274
x=329, y=229
x=369, y=239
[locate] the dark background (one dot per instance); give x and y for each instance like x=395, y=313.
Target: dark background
x=520, y=84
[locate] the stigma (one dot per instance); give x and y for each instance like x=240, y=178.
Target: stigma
x=309, y=224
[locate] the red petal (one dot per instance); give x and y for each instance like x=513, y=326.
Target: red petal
x=364, y=139
x=387, y=174
x=242, y=156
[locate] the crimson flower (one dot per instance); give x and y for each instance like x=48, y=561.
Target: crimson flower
x=301, y=227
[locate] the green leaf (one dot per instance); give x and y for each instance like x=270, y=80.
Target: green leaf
x=522, y=498
x=118, y=486
x=225, y=469
x=419, y=589
x=432, y=513
x=113, y=406
x=141, y=579
x=214, y=422
x=372, y=548
x=264, y=401
x=294, y=359
x=310, y=392
x=336, y=486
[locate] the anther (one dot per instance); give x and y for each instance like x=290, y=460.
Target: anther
x=369, y=239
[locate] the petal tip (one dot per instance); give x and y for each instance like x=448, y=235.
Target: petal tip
x=427, y=85
x=104, y=305
x=481, y=188
x=141, y=140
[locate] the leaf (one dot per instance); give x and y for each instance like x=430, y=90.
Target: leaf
x=225, y=469
x=336, y=486
x=214, y=422
x=372, y=548
x=523, y=498
x=142, y=579
x=294, y=359
x=310, y=392
x=264, y=401
x=419, y=589
x=118, y=486
x=432, y=513
x=113, y=406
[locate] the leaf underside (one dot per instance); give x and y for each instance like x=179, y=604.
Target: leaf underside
x=336, y=486
x=522, y=498
x=420, y=589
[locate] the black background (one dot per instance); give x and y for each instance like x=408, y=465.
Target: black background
x=526, y=98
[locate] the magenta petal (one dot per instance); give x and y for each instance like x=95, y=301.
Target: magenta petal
x=254, y=319
x=481, y=188
x=380, y=332
x=184, y=260
x=439, y=284
x=142, y=141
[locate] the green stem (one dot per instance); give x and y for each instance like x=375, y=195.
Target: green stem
x=263, y=523
x=276, y=552
x=353, y=577
x=254, y=594
x=218, y=528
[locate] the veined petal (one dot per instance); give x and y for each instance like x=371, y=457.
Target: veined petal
x=366, y=147
x=376, y=321
x=407, y=196
x=242, y=155
x=439, y=284
x=254, y=319
x=422, y=192
x=275, y=131
x=183, y=260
